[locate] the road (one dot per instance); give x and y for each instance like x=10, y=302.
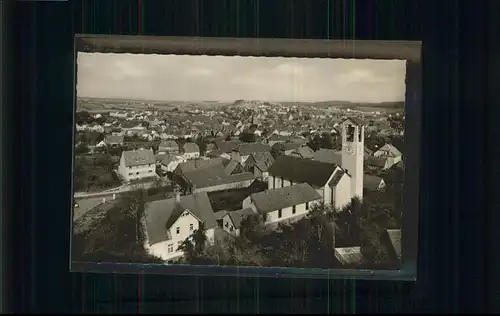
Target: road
x=119, y=190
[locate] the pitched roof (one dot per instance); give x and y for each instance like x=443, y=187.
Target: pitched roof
x=216, y=175
x=263, y=159
x=197, y=164
x=300, y=170
x=285, y=146
x=139, y=157
x=158, y=213
x=336, y=178
x=328, y=156
x=168, y=144
x=231, y=165
x=250, y=148
x=114, y=139
x=303, y=152
x=272, y=200
x=190, y=148
x=170, y=158
x=220, y=214
x=371, y=182
x=227, y=146
x=178, y=210
x=355, y=120
x=238, y=216
x=393, y=151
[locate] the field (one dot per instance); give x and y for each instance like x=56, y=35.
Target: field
x=106, y=105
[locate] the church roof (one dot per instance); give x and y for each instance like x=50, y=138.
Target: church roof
x=300, y=170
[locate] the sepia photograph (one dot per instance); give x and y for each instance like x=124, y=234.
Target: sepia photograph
x=239, y=161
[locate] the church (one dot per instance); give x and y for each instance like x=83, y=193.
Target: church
x=338, y=182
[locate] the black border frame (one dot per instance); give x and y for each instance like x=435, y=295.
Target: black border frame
x=402, y=50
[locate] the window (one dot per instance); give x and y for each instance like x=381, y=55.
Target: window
x=150, y=171
x=274, y=182
x=130, y=173
x=293, y=209
x=178, y=230
x=350, y=133
x=170, y=248
x=279, y=213
x=307, y=206
x=332, y=196
x=227, y=224
x=231, y=229
x=291, y=182
x=282, y=182
x=191, y=227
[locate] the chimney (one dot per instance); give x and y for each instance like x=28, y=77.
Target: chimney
x=103, y=200
x=178, y=197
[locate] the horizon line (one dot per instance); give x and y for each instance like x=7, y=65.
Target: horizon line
x=146, y=100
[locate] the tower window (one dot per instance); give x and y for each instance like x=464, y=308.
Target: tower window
x=350, y=133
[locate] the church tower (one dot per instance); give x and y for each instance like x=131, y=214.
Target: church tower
x=353, y=148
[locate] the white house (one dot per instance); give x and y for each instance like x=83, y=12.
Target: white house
x=389, y=152
x=168, y=223
x=283, y=204
x=101, y=144
x=231, y=221
x=137, y=164
x=190, y=151
x=169, y=163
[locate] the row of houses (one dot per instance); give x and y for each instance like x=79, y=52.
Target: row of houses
x=168, y=223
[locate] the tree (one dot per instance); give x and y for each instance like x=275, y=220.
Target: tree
x=315, y=143
x=369, y=232
x=110, y=239
x=83, y=117
x=200, y=141
x=193, y=247
x=135, y=210
x=81, y=149
x=327, y=141
x=247, y=137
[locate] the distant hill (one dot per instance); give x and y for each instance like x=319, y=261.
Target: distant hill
x=322, y=104
x=348, y=104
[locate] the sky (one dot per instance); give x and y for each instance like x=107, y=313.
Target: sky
x=222, y=78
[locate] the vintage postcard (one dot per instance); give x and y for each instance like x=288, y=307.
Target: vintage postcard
x=239, y=161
